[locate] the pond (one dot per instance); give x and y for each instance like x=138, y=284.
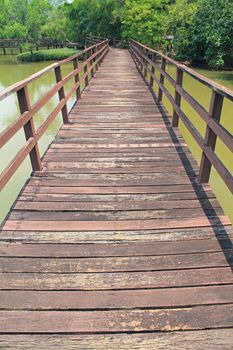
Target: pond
x=11, y=72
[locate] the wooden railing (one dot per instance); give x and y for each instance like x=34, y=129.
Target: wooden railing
x=146, y=60
x=92, y=58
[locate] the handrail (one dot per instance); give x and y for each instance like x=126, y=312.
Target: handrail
x=146, y=61
x=92, y=57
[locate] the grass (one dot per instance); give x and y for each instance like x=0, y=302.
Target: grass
x=46, y=55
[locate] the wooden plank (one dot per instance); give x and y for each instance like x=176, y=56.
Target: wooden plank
x=212, y=215
x=168, y=320
x=214, y=339
x=160, y=190
x=116, y=280
x=56, y=203
x=120, y=299
x=113, y=249
x=118, y=264
x=161, y=235
x=115, y=225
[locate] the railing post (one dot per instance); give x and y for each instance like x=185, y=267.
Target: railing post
x=101, y=60
x=85, y=68
x=96, y=57
x=29, y=128
x=153, y=72
x=215, y=111
x=141, y=59
x=77, y=78
x=61, y=94
x=145, y=62
x=161, y=79
x=92, y=62
x=179, y=82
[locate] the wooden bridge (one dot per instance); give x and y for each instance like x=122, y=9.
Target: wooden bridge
x=114, y=243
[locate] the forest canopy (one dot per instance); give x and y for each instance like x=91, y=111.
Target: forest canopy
x=201, y=31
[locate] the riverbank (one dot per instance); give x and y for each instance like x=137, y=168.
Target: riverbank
x=46, y=55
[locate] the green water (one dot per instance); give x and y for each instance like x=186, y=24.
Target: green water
x=202, y=94
x=11, y=72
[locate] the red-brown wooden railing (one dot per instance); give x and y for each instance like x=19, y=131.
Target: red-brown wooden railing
x=146, y=60
x=92, y=58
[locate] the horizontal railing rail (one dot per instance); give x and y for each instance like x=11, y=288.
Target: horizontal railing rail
x=146, y=60
x=92, y=58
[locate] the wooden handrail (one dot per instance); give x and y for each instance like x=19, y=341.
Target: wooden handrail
x=92, y=58
x=146, y=60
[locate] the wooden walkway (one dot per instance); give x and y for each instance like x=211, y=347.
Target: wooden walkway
x=115, y=244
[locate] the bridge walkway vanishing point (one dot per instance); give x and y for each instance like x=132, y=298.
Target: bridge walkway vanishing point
x=115, y=244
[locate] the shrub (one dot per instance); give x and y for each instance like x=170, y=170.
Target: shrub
x=46, y=55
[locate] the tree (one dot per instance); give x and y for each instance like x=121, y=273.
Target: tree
x=144, y=20
x=211, y=33
x=203, y=31
x=55, y=27
x=96, y=17
x=38, y=12
x=178, y=24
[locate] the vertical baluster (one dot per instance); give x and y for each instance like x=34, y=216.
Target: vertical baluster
x=61, y=94
x=153, y=72
x=92, y=62
x=163, y=67
x=101, y=60
x=179, y=82
x=97, y=57
x=145, y=63
x=140, y=55
x=29, y=128
x=77, y=78
x=85, y=69
x=215, y=111
x=99, y=48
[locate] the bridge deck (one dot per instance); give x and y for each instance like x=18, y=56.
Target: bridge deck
x=116, y=235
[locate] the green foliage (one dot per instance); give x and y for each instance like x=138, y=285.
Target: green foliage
x=203, y=31
x=55, y=27
x=179, y=21
x=38, y=12
x=46, y=55
x=144, y=20
x=211, y=33
x=96, y=17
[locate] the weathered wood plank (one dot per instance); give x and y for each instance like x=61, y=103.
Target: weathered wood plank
x=194, y=340
x=175, y=235
x=118, y=264
x=120, y=299
x=126, y=225
x=117, y=280
x=166, y=320
x=113, y=249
